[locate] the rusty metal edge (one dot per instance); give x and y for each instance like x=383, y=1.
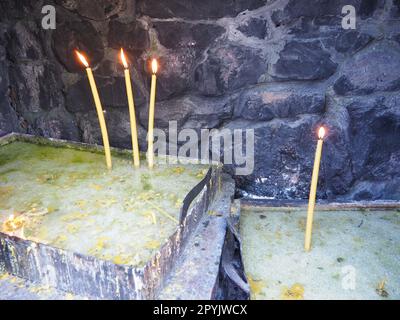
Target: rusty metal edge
x=323, y=205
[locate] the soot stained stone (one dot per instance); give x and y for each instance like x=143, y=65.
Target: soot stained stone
x=229, y=68
x=375, y=147
x=255, y=27
x=374, y=132
x=112, y=92
x=36, y=87
x=320, y=8
x=19, y=9
x=199, y=113
x=130, y=36
x=266, y=102
x=362, y=77
x=195, y=9
x=303, y=61
x=81, y=35
x=95, y=10
x=337, y=174
x=186, y=43
x=283, y=162
x=351, y=41
x=23, y=42
x=58, y=124
x=118, y=126
x=175, y=35
x=175, y=77
x=8, y=118
x=395, y=12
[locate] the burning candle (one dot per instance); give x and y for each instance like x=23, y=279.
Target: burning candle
x=313, y=189
x=150, y=152
x=99, y=108
x=132, y=115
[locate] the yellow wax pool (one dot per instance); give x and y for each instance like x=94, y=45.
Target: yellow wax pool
x=69, y=200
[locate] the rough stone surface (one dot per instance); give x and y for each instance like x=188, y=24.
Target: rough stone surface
x=190, y=112
x=118, y=127
x=280, y=67
x=58, y=124
x=112, y=92
x=228, y=68
x=375, y=145
x=94, y=10
x=321, y=8
x=197, y=9
x=254, y=27
x=263, y=103
x=281, y=157
x=175, y=35
x=19, y=9
x=303, y=61
x=130, y=36
x=72, y=35
x=361, y=77
x=395, y=12
x=351, y=41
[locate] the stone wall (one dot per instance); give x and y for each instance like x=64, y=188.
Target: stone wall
x=280, y=67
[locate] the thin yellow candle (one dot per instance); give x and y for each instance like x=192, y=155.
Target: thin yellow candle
x=313, y=189
x=132, y=115
x=99, y=109
x=150, y=152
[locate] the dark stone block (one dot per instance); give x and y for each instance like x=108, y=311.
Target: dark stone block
x=336, y=174
x=283, y=161
x=284, y=156
x=193, y=9
x=175, y=75
x=369, y=71
x=175, y=34
x=9, y=121
x=186, y=43
x=303, y=61
x=58, y=124
x=130, y=36
x=189, y=112
x=50, y=88
x=112, y=91
x=118, y=126
x=368, y=190
x=267, y=102
x=19, y=9
x=71, y=35
x=374, y=138
x=255, y=27
x=351, y=41
x=229, y=68
x=397, y=38
x=95, y=10
x=23, y=42
x=36, y=87
x=395, y=12
x=321, y=8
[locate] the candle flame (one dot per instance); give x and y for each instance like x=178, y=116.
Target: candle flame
x=321, y=133
x=154, y=66
x=123, y=59
x=82, y=58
